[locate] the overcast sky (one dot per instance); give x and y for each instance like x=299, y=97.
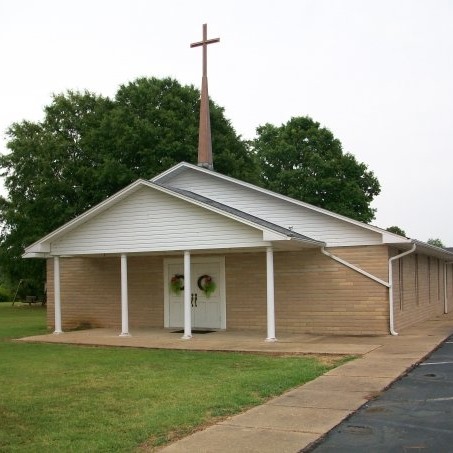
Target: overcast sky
x=377, y=73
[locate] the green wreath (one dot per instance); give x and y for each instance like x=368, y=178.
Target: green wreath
x=206, y=284
x=177, y=284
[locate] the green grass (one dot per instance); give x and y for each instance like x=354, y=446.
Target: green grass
x=64, y=398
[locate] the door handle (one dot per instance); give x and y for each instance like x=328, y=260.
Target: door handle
x=196, y=297
x=191, y=300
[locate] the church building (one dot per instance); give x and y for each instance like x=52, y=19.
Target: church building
x=195, y=249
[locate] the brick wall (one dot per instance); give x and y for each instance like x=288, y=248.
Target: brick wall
x=91, y=292
x=419, y=289
x=313, y=293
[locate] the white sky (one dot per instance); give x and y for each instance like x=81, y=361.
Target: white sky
x=377, y=73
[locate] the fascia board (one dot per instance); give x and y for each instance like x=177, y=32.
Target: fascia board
x=40, y=247
x=171, y=170
x=274, y=236
x=35, y=255
x=392, y=238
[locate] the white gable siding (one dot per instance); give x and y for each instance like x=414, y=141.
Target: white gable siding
x=149, y=220
x=316, y=225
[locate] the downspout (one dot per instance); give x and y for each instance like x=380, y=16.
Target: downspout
x=394, y=258
x=445, y=287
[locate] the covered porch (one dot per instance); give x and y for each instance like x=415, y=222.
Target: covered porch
x=129, y=292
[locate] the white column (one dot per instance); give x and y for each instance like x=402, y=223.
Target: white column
x=270, y=295
x=187, y=298
x=124, y=300
x=57, y=294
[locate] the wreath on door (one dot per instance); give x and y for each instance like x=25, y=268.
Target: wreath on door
x=206, y=284
x=177, y=284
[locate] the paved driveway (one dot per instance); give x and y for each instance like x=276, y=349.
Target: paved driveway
x=414, y=415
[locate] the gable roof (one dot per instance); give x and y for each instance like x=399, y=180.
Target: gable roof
x=271, y=232
x=387, y=236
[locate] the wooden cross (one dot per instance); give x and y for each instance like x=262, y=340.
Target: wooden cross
x=205, y=43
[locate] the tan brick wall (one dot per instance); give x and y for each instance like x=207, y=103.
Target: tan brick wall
x=91, y=292
x=313, y=293
x=419, y=289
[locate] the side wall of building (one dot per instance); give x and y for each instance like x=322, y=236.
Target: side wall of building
x=419, y=288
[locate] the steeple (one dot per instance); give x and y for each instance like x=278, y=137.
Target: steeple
x=204, y=134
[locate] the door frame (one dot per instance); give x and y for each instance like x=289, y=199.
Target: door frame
x=194, y=260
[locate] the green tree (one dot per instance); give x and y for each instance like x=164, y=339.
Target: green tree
x=87, y=147
x=49, y=174
x=302, y=160
x=396, y=230
x=436, y=242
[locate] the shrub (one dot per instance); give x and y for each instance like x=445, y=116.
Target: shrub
x=5, y=294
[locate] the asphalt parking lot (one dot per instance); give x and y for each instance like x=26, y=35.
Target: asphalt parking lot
x=413, y=415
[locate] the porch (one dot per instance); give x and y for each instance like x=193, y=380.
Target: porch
x=231, y=341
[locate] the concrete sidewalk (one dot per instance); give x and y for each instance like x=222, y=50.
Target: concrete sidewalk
x=298, y=418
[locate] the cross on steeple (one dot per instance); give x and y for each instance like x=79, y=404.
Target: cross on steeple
x=204, y=134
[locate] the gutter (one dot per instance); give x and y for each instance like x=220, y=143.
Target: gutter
x=394, y=258
x=388, y=285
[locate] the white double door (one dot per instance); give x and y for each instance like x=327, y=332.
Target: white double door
x=208, y=311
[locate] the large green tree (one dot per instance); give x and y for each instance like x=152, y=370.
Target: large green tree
x=87, y=147
x=305, y=161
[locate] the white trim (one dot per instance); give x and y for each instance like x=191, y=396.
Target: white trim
x=124, y=298
x=57, y=294
x=220, y=259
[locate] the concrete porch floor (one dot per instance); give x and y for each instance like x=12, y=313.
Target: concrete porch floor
x=239, y=341
x=231, y=340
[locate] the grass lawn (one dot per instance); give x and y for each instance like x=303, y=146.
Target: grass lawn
x=63, y=398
